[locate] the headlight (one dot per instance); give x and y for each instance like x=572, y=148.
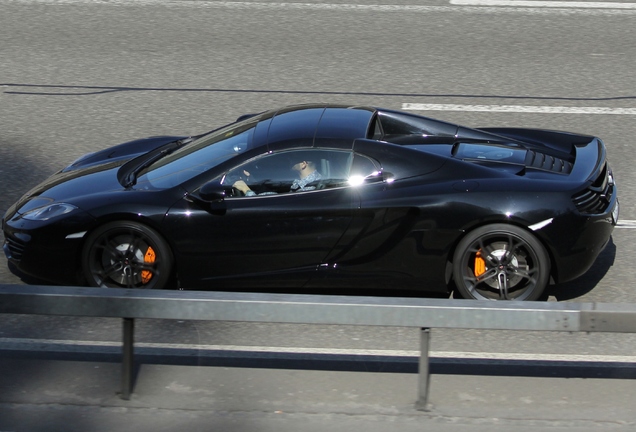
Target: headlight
x=49, y=211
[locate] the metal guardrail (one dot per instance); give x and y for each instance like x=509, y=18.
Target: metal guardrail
x=313, y=309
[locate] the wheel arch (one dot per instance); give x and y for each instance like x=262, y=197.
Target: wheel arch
x=148, y=221
x=505, y=221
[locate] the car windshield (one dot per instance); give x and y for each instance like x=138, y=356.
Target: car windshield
x=198, y=156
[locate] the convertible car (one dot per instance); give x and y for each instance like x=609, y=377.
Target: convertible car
x=332, y=196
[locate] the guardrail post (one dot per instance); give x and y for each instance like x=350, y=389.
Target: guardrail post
x=424, y=373
x=128, y=359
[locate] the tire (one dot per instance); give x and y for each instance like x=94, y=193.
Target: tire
x=126, y=255
x=500, y=262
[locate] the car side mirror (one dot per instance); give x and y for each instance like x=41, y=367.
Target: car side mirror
x=211, y=192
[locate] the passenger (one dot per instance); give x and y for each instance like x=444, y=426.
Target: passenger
x=307, y=174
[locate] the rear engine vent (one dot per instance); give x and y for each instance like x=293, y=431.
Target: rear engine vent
x=544, y=162
x=596, y=198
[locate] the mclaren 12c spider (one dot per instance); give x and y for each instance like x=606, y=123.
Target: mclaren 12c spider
x=332, y=196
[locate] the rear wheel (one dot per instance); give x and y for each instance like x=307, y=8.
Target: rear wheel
x=126, y=255
x=500, y=262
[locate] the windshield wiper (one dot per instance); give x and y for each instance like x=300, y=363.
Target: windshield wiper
x=131, y=177
x=130, y=171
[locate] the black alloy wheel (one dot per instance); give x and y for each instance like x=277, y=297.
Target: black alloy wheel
x=126, y=255
x=500, y=262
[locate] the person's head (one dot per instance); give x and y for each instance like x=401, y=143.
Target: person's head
x=304, y=168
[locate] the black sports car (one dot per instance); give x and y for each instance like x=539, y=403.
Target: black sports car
x=324, y=196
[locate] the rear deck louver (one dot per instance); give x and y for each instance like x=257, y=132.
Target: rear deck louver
x=544, y=162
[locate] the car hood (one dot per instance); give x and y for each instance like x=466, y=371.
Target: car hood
x=69, y=186
x=122, y=152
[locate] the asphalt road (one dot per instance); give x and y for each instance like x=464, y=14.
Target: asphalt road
x=80, y=397
x=79, y=75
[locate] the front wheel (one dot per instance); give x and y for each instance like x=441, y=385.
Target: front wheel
x=500, y=262
x=126, y=255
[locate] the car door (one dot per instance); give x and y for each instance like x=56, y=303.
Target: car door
x=393, y=240
x=274, y=236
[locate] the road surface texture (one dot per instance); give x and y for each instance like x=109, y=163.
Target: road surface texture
x=79, y=75
x=76, y=396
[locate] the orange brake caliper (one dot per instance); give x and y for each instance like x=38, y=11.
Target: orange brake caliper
x=480, y=264
x=149, y=258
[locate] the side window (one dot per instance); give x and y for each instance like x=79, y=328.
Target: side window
x=395, y=124
x=361, y=168
x=293, y=171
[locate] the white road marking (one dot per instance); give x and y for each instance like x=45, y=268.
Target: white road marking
x=75, y=345
x=526, y=109
x=545, y=4
x=626, y=223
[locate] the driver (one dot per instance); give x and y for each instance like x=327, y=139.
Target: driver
x=307, y=174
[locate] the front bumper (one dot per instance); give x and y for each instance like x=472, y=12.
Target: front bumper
x=50, y=251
